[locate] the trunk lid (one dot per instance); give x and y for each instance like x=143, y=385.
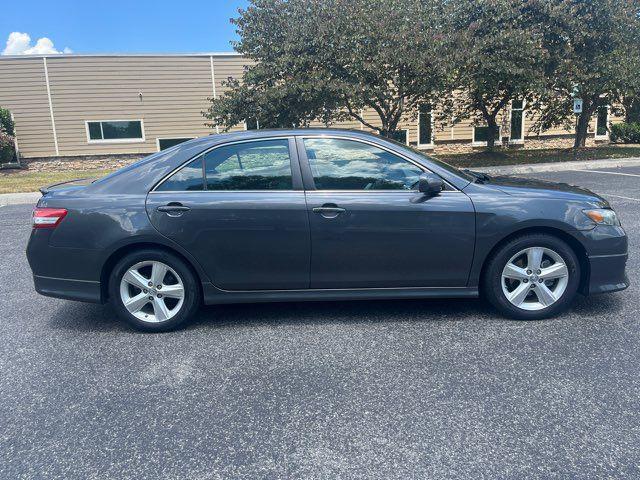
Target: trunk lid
x=76, y=184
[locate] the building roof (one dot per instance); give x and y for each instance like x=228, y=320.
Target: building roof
x=73, y=55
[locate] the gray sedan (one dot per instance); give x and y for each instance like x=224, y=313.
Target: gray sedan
x=318, y=214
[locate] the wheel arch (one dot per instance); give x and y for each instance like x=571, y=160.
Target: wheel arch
x=116, y=255
x=573, y=243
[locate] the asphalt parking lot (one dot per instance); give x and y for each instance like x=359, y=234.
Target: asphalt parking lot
x=393, y=389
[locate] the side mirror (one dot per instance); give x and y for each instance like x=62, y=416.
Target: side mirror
x=430, y=184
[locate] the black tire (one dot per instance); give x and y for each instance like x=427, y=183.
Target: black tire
x=492, y=278
x=192, y=294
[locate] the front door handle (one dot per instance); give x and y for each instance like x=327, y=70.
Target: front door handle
x=329, y=210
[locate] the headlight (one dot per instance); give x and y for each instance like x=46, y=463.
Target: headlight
x=603, y=216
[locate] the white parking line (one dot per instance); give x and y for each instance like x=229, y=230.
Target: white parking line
x=619, y=196
x=609, y=173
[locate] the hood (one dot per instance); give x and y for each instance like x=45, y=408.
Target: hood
x=530, y=187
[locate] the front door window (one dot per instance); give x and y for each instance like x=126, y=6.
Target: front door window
x=339, y=164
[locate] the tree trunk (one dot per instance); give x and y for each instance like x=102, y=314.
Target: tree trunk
x=582, y=127
x=493, y=131
x=389, y=127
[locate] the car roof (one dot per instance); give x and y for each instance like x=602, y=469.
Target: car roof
x=217, y=138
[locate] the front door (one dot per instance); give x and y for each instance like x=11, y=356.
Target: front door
x=371, y=228
x=240, y=210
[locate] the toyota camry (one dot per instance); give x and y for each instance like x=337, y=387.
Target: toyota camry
x=318, y=214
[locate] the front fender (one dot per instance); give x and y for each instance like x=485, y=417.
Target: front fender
x=502, y=216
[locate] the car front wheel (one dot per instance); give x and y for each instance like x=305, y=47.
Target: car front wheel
x=154, y=290
x=532, y=277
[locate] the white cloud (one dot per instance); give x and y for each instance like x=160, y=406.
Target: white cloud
x=19, y=43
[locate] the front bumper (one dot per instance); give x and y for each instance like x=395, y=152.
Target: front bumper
x=607, y=274
x=606, y=248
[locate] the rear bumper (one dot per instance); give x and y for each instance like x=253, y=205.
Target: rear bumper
x=81, y=290
x=69, y=273
x=607, y=273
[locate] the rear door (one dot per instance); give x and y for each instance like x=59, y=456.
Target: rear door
x=371, y=228
x=240, y=210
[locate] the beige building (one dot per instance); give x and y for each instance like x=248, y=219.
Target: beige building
x=71, y=105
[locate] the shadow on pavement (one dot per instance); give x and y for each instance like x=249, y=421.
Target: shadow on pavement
x=101, y=318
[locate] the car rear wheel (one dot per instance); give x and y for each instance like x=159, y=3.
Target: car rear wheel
x=532, y=277
x=154, y=290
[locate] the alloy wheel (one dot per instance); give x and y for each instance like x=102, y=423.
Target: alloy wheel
x=152, y=291
x=534, y=278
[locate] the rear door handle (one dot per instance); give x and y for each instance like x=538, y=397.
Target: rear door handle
x=329, y=211
x=173, y=209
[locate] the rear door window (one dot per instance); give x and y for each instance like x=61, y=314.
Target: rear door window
x=188, y=178
x=260, y=165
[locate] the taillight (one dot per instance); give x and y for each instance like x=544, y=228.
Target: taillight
x=48, y=217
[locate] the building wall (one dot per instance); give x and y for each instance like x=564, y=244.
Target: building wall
x=23, y=90
x=167, y=92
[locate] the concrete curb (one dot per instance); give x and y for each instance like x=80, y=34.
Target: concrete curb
x=32, y=197
x=19, y=198
x=560, y=166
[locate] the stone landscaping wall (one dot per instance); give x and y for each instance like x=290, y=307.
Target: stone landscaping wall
x=113, y=162
x=531, y=143
x=91, y=162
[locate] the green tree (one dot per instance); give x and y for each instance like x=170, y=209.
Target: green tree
x=330, y=59
x=259, y=98
x=631, y=97
x=498, y=58
x=593, y=48
x=631, y=106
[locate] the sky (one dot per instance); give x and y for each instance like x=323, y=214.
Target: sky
x=117, y=26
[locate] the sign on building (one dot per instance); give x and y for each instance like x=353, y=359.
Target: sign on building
x=577, y=105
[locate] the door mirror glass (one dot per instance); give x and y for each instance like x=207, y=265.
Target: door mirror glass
x=430, y=184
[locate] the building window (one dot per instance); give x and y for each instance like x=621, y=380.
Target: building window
x=401, y=136
x=425, y=126
x=516, y=133
x=251, y=124
x=115, y=131
x=602, y=122
x=164, y=143
x=481, y=135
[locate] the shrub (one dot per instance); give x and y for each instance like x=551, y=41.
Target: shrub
x=7, y=152
x=625, y=133
x=6, y=123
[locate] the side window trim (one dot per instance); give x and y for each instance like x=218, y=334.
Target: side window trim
x=296, y=176
x=305, y=166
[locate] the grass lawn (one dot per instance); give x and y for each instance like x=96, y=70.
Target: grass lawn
x=15, y=181
x=522, y=156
